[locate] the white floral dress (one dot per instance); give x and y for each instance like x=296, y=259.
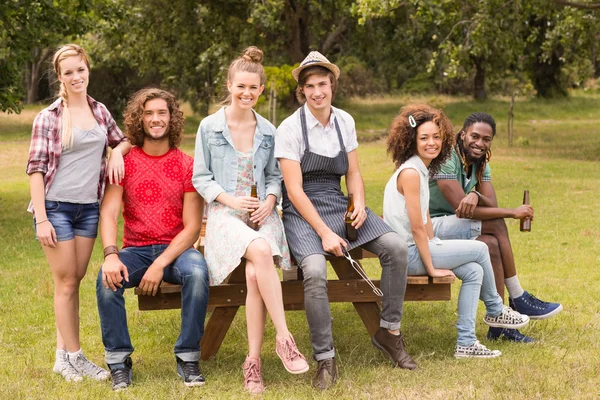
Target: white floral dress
x=227, y=233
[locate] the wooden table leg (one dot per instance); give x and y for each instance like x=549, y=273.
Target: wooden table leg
x=368, y=312
x=221, y=319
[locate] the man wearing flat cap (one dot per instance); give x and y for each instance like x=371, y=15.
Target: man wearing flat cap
x=316, y=146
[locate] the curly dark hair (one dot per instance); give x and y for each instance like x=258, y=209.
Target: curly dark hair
x=402, y=138
x=134, y=116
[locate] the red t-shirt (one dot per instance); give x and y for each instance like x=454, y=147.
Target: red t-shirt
x=153, y=190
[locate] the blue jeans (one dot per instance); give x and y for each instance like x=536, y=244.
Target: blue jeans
x=188, y=270
x=470, y=262
x=452, y=227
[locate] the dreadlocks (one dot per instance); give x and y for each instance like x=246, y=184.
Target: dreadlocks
x=470, y=121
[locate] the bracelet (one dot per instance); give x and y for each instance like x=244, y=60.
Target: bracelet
x=39, y=222
x=477, y=193
x=112, y=249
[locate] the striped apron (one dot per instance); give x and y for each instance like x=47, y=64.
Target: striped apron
x=321, y=182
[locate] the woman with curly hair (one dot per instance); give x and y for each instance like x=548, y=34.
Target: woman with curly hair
x=67, y=170
x=234, y=150
x=420, y=140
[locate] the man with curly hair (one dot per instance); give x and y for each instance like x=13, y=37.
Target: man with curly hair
x=163, y=214
x=463, y=205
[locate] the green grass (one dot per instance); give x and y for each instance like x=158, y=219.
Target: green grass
x=558, y=260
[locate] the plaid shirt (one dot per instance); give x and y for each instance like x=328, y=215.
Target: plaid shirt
x=46, y=147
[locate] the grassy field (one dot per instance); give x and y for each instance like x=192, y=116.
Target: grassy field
x=556, y=158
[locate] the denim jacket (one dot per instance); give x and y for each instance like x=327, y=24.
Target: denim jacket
x=215, y=159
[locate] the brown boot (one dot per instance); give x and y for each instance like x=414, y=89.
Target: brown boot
x=326, y=374
x=393, y=346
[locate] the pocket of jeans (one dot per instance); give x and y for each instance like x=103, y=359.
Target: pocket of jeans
x=51, y=205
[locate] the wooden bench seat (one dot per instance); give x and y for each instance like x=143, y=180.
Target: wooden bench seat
x=226, y=298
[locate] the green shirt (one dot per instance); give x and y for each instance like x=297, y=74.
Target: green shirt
x=452, y=170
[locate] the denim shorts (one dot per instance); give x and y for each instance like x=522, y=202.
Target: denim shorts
x=450, y=227
x=72, y=219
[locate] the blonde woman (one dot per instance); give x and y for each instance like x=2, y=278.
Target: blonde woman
x=67, y=170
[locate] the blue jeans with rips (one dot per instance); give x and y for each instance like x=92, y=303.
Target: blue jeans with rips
x=188, y=270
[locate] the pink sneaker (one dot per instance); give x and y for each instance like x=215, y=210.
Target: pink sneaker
x=253, y=382
x=293, y=361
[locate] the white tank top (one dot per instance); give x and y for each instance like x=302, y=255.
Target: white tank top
x=395, y=213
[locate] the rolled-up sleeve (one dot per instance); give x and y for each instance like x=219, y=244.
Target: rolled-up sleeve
x=39, y=146
x=203, y=178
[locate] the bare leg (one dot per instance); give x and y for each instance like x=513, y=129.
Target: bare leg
x=68, y=263
x=497, y=228
x=269, y=286
x=496, y=259
x=255, y=313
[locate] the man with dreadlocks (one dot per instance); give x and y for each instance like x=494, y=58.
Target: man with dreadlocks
x=463, y=205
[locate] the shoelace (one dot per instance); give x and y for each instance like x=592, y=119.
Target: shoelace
x=120, y=376
x=290, y=351
x=325, y=364
x=68, y=370
x=87, y=367
x=537, y=302
x=360, y=271
x=400, y=342
x=252, y=373
x=190, y=369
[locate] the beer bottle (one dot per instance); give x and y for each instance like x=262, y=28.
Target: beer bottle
x=351, y=233
x=526, y=222
x=253, y=193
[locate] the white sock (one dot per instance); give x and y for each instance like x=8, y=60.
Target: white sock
x=514, y=287
x=73, y=356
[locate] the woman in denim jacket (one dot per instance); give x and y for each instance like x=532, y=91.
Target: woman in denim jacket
x=234, y=150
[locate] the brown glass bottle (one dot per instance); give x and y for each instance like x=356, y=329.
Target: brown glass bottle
x=253, y=193
x=351, y=233
x=526, y=222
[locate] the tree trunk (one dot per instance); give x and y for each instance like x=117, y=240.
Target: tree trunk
x=297, y=17
x=34, y=72
x=511, y=117
x=479, y=92
x=545, y=75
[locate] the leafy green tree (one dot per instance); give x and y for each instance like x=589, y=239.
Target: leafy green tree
x=30, y=31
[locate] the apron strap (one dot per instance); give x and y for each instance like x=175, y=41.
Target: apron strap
x=304, y=129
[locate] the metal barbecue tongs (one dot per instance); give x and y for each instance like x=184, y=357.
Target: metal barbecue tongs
x=360, y=271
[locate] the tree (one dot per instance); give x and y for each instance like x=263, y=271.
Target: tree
x=29, y=32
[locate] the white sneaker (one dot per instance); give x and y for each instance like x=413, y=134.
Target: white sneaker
x=61, y=360
x=508, y=319
x=87, y=368
x=476, y=350
x=63, y=367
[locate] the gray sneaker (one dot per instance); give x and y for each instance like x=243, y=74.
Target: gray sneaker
x=508, y=318
x=476, y=350
x=87, y=368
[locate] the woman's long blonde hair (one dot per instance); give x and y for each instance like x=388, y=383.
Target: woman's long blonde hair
x=68, y=50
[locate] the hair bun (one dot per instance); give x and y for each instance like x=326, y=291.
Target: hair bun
x=253, y=54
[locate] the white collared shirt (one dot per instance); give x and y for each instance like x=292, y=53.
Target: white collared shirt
x=322, y=140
